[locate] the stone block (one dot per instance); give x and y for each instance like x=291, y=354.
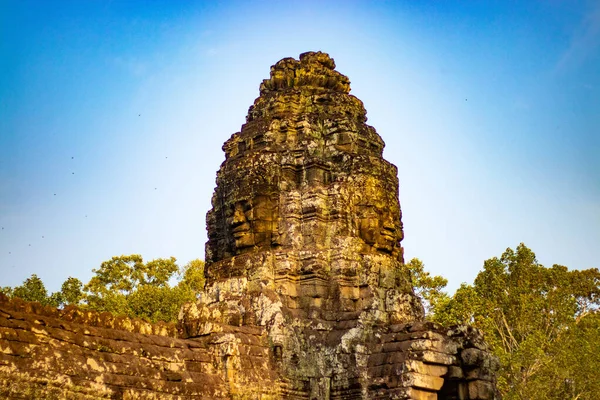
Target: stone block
x=425, y=369
x=485, y=374
x=472, y=356
x=437, y=358
x=416, y=394
x=421, y=381
x=454, y=372
x=480, y=390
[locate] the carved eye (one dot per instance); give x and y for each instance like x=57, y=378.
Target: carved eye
x=246, y=206
x=368, y=212
x=231, y=209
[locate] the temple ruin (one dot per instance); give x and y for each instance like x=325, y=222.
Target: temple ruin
x=307, y=295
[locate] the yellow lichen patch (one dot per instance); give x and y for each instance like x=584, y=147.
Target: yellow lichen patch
x=38, y=331
x=93, y=364
x=5, y=349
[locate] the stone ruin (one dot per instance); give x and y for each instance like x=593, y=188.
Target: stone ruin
x=306, y=297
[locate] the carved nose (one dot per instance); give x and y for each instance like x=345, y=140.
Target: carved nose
x=388, y=223
x=238, y=217
x=389, y=229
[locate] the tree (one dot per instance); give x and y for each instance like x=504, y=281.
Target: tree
x=530, y=316
x=126, y=285
x=32, y=289
x=72, y=291
x=192, y=275
x=155, y=300
x=428, y=288
x=121, y=277
x=458, y=309
x=155, y=304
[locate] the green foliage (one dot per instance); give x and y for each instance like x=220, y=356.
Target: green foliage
x=122, y=275
x=32, y=289
x=539, y=322
x=192, y=275
x=428, y=288
x=72, y=291
x=155, y=300
x=124, y=285
x=459, y=308
x=154, y=303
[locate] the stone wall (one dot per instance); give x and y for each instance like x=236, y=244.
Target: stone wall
x=307, y=296
x=47, y=353
x=422, y=360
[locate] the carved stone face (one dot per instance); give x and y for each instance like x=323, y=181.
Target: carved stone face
x=251, y=222
x=240, y=226
x=378, y=217
x=305, y=175
x=376, y=227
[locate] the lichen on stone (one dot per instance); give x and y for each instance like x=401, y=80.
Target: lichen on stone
x=306, y=295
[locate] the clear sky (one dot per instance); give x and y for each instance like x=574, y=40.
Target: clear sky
x=113, y=114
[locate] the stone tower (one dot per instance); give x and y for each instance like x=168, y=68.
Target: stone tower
x=305, y=204
x=306, y=297
x=304, y=244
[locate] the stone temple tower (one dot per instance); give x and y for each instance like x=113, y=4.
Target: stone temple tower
x=306, y=297
x=304, y=251
x=306, y=205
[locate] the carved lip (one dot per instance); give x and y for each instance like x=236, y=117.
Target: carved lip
x=241, y=230
x=388, y=234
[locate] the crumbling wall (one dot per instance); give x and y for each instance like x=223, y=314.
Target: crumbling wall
x=307, y=295
x=46, y=353
x=423, y=360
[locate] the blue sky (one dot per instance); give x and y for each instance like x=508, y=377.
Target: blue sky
x=113, y=114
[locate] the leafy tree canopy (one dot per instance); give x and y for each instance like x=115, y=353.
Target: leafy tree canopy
x=541, y=322
x=429, y=288
x=32, y=289
x=124, y=285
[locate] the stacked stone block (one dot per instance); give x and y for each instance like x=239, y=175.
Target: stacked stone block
x=307, y=295
x=47, y=353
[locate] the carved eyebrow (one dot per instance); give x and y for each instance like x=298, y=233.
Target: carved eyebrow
x=369, y=207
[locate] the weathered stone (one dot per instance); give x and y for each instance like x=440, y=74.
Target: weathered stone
x=455, y=372
x=306, y=222
x=472, y=356
x=416, y=394
x=422, y=381
x=437, y=358
x=483, y=390
x=426, y=369
x=306, y=295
